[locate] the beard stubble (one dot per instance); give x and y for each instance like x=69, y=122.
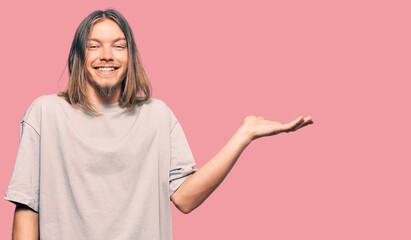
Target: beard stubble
x=105, y=91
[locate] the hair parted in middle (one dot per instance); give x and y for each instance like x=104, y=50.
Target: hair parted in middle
x=135, y=88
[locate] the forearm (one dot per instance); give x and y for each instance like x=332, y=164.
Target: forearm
x=25, y=225
x=197, y=187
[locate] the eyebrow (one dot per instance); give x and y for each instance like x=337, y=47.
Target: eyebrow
x=115, y=40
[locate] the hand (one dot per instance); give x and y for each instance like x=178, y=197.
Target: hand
x=259, y=127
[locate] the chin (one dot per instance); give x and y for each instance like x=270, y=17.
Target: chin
x=106, y=90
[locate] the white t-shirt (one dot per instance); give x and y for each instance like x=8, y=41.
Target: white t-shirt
x=109, y=176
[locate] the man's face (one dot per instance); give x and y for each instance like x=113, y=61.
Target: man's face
x=106, y=57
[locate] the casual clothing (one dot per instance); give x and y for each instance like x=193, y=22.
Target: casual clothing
x=109, y=176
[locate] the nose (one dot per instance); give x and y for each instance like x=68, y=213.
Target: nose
x=106, y=54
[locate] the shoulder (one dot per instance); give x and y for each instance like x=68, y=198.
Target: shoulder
x=157, y=105
x=159, y=108
x=41, y=104
x=45, y=100
x=155, y=102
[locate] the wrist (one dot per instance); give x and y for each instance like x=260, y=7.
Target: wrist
x=244, y=135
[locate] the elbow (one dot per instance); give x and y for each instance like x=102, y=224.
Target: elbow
x=184, y=205
x=186, y=210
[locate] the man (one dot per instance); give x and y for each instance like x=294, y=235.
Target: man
x=102, y=160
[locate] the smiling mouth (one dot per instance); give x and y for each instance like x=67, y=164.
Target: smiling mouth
x=106, y=68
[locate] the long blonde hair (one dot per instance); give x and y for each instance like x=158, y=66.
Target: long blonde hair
x=135, y=88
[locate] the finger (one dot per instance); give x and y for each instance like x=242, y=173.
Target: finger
x=307, y=120
x=298, y=125
x=302, y=125
x=293, y=124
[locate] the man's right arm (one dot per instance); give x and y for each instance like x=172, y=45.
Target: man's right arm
x=26, y=222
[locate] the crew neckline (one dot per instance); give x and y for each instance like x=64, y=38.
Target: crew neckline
x=109, y=107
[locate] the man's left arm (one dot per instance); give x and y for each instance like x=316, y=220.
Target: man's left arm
x=198, y=186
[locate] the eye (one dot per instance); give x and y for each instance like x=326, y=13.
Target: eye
x=120, y=47
x=92, y=46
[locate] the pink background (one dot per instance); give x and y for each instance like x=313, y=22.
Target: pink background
x=345, y=63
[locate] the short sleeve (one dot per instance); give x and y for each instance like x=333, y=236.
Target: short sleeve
x=24, y=183
x=182, y=163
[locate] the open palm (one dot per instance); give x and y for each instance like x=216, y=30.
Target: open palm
x=260, y=127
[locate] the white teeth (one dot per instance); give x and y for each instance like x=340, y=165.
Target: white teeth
x=106, y=69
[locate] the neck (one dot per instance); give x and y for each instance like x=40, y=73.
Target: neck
x=114, y=98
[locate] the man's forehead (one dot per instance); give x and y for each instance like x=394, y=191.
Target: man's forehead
x=106, y=30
